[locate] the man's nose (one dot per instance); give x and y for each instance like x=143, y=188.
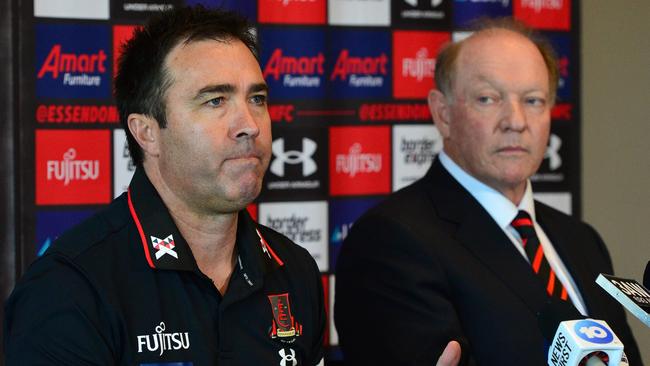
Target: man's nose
x=514, y=116
x=245, y=124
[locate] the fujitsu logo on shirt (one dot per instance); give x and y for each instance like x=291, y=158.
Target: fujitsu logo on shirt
x=539, y=5
x=357, y=162
x=161, y=342
x=69, y=169
x=419, y=67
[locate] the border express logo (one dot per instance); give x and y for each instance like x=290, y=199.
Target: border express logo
x=361, y=64
x=303, y=222
x=51, y=224
x=348, y=12
x=544, y=14
x=414, y=62
x=466, y=11
x=414, y=148
x=292, y=11
x=359, y=160
x=294, y=62
x=73, y=167
x=298, y=167
x=72, y=61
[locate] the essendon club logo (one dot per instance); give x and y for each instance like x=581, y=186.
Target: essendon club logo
x=294, y=62
x=72, y=167
x=284, y=325
x=72, y=61
x=414, y=62
x=362, y=64
x=359, y=160
x=292, y=11
x=544, y=14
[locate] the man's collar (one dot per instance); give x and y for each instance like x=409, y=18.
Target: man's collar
x=500, y=208
x=165, y=248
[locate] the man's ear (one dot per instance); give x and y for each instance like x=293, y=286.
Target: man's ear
x=146, y=132
x=440, y=111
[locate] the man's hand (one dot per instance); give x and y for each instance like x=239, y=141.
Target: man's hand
x=451, y=355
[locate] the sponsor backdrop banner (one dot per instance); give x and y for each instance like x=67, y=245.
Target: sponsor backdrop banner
x=348, y=79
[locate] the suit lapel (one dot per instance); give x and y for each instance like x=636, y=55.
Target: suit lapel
x=477, y=231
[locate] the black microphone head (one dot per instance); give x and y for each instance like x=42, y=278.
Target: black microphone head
x=553, y=313
x=646, y=276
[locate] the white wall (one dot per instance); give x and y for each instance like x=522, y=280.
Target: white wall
x=616, y=134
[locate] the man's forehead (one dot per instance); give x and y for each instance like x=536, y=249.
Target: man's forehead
x=197, y=56
x=495, y=47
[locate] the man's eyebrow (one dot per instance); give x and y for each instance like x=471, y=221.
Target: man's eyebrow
x=259, y=87
x=218, y=88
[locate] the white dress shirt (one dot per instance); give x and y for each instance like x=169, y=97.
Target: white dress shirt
x=503, y=211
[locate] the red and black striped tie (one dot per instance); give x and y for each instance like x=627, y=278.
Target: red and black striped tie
x=524, y=226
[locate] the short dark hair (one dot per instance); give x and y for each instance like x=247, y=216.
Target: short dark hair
x=445, y=71
x=142, y=81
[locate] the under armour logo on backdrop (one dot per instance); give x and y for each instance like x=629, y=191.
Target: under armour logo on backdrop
x=553, y=152
x=164, y=246
x=293, y=157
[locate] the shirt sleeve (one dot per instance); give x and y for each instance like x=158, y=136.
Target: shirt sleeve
x=54, y=317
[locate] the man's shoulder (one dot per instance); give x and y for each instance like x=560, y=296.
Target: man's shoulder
x=102, y=228
x=292, y=254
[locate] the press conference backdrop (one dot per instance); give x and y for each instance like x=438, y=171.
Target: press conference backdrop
x=348, y=81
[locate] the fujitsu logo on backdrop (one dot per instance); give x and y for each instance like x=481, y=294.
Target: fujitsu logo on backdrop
x=355, y=161
x=74, y=67
x=72, y=167
x=419, y=67
x=539, y=5
x=360, y=69
x=296, y=70
x=69, y=169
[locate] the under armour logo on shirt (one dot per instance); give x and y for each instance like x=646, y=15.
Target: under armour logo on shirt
x=164, y=246
x=288, y=357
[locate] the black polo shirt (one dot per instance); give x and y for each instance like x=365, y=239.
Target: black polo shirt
x=123, y=288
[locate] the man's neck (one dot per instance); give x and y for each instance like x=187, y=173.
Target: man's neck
x=210, y=236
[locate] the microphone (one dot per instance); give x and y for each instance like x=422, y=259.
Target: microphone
x=629, y=293
x=577, y=341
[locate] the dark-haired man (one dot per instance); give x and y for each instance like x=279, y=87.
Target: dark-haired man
x=466, y=253
x=175, y=272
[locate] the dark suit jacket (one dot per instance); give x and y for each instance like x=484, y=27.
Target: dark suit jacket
x=430, y=264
